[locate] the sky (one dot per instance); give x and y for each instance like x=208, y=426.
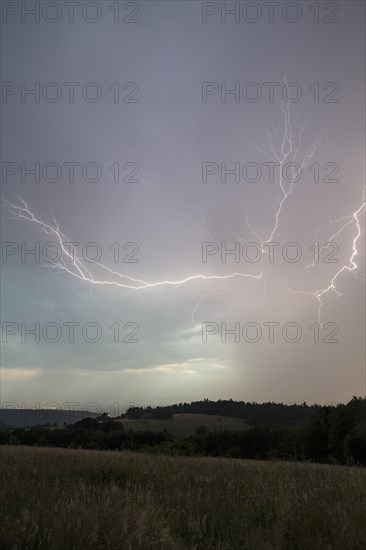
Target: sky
x=163, y=135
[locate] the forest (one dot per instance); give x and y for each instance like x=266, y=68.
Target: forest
x=326, y=434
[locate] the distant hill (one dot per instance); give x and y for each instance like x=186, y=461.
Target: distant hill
x=253, y=414
x=267, y=431
x=243, y=414
x=27, y=418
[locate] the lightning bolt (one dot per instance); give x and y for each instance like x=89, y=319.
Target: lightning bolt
x=78, y=269
x=284, y=145
x=349, y=266
x=287, y=152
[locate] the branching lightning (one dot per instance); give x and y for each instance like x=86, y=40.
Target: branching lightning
x=349, y=266
x=288, y=151
x=284, y=147
x=78, y=269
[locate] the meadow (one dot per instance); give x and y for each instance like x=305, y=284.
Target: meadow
x=184, y=425
x=82, y=499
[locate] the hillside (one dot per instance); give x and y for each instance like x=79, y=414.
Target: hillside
x=26, y=418
x=184, y=425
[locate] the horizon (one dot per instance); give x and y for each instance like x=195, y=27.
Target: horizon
x=100, y=409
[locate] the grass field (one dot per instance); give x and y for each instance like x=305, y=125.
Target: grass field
x=76, y=499
x=184, y=425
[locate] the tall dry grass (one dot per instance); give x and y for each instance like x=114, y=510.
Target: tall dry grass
x=68, y=499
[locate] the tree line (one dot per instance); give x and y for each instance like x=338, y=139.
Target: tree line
x=272, y=414
x=333, y=434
